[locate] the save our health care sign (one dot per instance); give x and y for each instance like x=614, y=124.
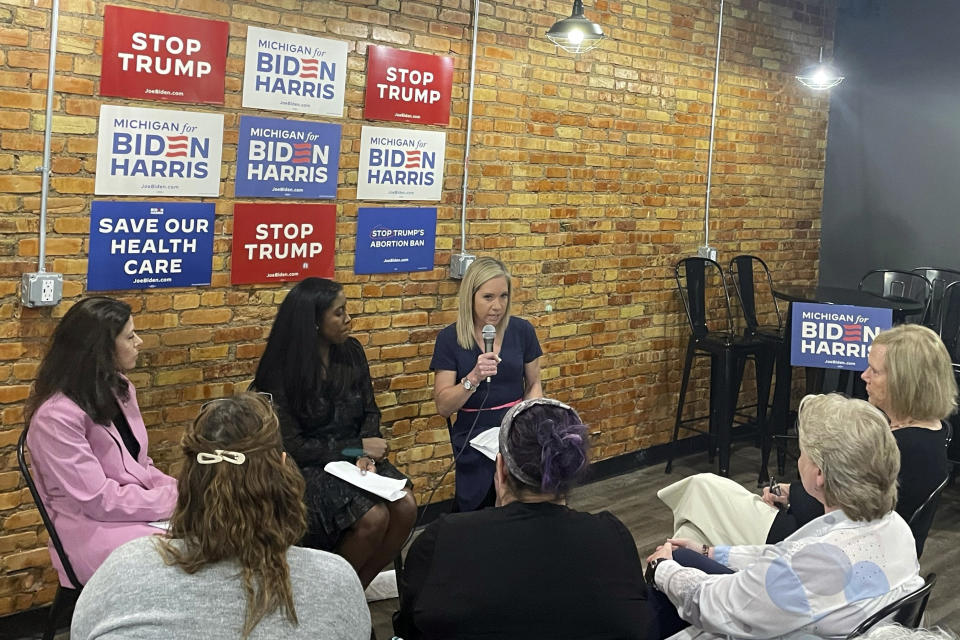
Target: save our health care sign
x=282, y=242
x=161, y=56
x=142, y=245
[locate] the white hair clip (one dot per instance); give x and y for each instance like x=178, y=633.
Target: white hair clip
x=221, y=455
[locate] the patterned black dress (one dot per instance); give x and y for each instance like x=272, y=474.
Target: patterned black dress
x=343, y=413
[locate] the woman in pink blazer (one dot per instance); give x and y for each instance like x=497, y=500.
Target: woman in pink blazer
x=88, y=441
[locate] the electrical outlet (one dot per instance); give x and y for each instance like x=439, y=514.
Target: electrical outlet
x=41, y=289
x=46, y=290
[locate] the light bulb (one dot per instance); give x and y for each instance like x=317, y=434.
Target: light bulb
x=575, y=36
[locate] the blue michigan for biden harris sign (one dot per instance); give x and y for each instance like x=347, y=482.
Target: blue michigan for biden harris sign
x=141, y=245
x=835, y=336
x=287, y=158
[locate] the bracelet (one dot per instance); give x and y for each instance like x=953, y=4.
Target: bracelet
x=706, y=550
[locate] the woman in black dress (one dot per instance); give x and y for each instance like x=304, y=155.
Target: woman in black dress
x=322, y=393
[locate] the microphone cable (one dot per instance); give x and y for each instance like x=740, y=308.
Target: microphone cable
x=453, y=463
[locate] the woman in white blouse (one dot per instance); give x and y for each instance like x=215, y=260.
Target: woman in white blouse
x=832, y=573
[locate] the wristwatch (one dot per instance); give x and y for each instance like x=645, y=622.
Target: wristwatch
x=650, y=575
x=469, y=386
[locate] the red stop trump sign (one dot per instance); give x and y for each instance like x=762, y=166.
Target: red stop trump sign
x=160, y=56
x=405, y=86
x=282, y=242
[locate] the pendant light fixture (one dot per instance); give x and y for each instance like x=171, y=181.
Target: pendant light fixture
x=820, y=76
x=575, y=34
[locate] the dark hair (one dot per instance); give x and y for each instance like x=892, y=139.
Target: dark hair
x=250, y=512
x=550, y=446
x=81, y=360
x=290, y=363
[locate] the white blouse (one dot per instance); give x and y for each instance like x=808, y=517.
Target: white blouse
x=822, y=581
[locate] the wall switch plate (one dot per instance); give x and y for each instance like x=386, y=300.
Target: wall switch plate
x=41, y=289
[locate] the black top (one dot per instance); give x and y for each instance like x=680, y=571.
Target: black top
x=341, y=416
x=126, y=434
x=524, y=571
x=923, y=466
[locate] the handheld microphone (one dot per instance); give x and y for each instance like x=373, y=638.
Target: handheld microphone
x=489, y=332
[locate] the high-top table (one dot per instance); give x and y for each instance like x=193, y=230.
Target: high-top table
x=901, y=307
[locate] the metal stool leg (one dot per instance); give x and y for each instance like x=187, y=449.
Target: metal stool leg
x=687, y=365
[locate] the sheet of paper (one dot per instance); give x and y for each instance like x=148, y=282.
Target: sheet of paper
x=160, y=524
x=387, y=488
x=488, y=443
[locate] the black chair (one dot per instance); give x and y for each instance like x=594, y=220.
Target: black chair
x=725, y=348
x=948, y=326
x=906, y=611
x=948, y=322
x=939, y=280
x=922, y=517
x=66, y=597
x=898, y=285
x=746, y=271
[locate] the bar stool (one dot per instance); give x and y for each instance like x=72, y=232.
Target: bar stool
x=898, y=285
x=751, y=276
x=939, y=278
x=725, y=349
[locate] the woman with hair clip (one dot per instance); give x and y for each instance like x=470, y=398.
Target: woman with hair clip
x=532, y=567
x=87, y=439
x=477, y=384
x=322, y=393
x=227, y=567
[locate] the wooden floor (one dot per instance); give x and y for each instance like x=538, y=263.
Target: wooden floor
x=632, y=498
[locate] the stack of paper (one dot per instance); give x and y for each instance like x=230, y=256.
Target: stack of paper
x=387, y=488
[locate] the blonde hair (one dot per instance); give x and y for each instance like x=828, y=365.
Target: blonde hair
x=852, y=444
x=479, y=272
x=920, y=381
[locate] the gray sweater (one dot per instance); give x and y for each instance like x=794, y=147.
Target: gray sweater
x=135, y=595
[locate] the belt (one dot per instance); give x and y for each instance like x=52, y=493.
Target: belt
x=502, y=406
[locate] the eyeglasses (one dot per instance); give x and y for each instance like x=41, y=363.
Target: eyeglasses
x=268, y=397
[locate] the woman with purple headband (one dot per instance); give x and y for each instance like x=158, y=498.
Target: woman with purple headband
x=531, y=563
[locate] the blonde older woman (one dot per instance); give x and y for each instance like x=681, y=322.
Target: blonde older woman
x=911, y=380
x=479, y=386
x=832, y=573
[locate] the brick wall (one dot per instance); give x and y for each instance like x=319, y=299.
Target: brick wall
x=587, y=179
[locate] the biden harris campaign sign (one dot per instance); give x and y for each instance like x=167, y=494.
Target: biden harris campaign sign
x=293, y=72
x=835, y=336
x=390, y=240
x=400, y=164
x=280, y=242
x=287, y=158
x=160, y=56
x=158, y=152
x=406, y=86
x=141, y=245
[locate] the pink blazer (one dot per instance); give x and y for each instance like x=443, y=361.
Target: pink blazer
x=96, y=493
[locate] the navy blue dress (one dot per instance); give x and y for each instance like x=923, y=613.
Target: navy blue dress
x=520, y=346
